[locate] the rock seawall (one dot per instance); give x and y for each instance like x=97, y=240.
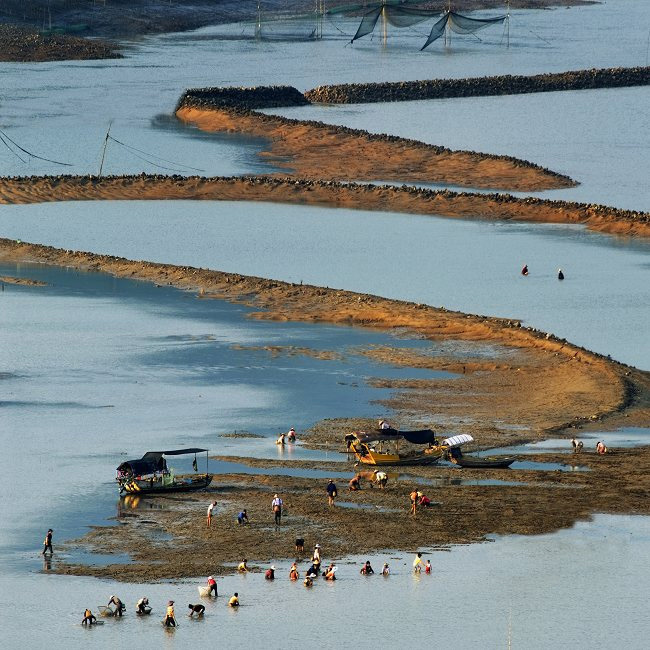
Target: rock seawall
x=242, y=98
x=401, y=91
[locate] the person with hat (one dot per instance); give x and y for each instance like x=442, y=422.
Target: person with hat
x=170, y=618
x=385, y=570
x=119, y=605
x=270, y=573
x=276, y=507
x=212, y=586
x=330, y=573
x=142, y=606
x=293, y=572
x=331, y=492
x=291, y=436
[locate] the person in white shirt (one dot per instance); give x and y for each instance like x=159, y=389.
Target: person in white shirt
x=276, y=507
x=210, y=509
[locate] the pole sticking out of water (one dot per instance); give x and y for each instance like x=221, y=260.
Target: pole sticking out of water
x=508, y=23
x=101, y=164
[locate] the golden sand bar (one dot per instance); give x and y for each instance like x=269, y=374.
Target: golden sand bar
x=41, y=189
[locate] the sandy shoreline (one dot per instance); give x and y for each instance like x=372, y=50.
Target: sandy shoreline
x=321, y=151
x=42, y=189
x=543, y=384
x=539, y=502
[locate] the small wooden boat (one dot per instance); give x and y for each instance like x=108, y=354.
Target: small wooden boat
x=368, y=448
x=456, y=456
x=150, y=474
x=484, y=462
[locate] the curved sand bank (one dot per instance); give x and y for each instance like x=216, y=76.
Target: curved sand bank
x=542, y=384
x=41, y=189
x=548, y=384
x=317, y=150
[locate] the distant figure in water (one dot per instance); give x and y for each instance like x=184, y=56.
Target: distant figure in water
x=281, y=439
x=47, y=542
x=291, y=436
x=600, y=448
x=577, y=445
x=199, y=610
x=524, y=270
x=234, y=601
x=560, y=274
x=89, y=618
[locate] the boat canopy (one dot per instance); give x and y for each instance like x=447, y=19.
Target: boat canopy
x=420, y=437
x=457, y=441
x=153, y=461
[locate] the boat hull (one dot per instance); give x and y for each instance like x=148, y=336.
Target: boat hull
x=484, y=463
x=387, y=460
x=146, y=486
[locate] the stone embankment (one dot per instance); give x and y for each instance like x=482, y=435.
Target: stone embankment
x=406, y=199
x=242, y=98
x=401, y=91
x=21, y=45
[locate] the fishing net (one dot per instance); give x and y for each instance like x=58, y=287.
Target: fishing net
x=459, y=24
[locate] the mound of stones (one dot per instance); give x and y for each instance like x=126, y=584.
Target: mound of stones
x=479, y=86
x=242, y=98
x=21, y=45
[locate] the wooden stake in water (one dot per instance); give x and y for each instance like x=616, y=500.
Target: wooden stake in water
x=101, y=164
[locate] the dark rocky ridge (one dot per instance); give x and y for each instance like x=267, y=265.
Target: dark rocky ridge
x=479, y=86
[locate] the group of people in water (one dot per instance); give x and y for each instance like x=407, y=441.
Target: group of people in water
x=283, y=438
x=142, y=608
x=525, y=271
x=578, y=445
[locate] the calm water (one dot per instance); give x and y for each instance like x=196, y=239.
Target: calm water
x=94, y=370
x=599, y=138
x=97, y=370
x=519, y=592
x=467, y=265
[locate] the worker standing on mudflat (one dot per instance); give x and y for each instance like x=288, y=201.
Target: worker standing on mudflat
x=276, y=507
x=47, y=542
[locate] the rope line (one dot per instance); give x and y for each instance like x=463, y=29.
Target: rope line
x=29, y=153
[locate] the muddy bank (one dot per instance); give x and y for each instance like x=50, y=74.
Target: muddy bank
x=535, y=381
x=21, y=44
x=618, y=483
x=445, y=203
x=401, y=91
x=327, y=152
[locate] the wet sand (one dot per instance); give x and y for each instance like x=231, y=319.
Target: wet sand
x=326, y=152
x=534, y=381
x=174, y=542
x=41, y=189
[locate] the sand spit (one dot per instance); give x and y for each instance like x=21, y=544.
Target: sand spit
x=411, y=200
x=545, y=502
x=539, y=382
x=317, y=150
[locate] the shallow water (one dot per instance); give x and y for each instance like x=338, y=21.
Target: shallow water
x=520, y=592
x=98, y=370
x=465, y=265
x=569, y=133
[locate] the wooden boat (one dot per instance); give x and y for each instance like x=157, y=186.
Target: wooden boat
x=485, y=462
x=150, y=475
x=368, y=447
x=455, y=456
